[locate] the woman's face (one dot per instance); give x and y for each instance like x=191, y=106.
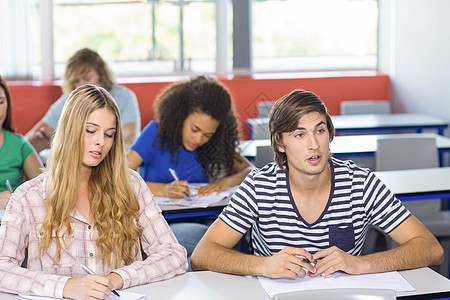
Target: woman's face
x=99, y=136
x=198, y=129
x=3, y=107
x=90, y=77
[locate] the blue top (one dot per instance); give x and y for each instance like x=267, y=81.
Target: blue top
x=125, y=98
x=357, y=199
x=156, y=163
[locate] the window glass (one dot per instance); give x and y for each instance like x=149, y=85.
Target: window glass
x=294, y=35
x=138, y=37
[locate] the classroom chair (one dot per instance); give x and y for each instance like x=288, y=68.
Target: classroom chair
x=417, y=153
x=264, y=155
x=365, y=107
x=339, y=294
x=259, y=128
x=264, y=108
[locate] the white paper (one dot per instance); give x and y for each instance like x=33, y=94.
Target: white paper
x=123, y=296
x=194, y=200
x=387, y=280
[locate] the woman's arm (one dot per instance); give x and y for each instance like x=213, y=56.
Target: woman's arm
x=32, y=166
x=241, y=168
x=174, y=189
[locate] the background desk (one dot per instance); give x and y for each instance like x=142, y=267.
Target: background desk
x=355, y=145
x=388, y=122
x=210, y=285
x=418, y=184
x=364, y=123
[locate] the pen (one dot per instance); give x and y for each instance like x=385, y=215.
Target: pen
x=8, y=185
x=92, y=273
x=175, y=176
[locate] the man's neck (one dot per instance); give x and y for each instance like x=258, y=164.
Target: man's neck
x=309, y=184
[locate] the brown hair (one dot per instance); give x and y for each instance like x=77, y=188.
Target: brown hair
x=8, y=123
x=285, y=114
x=81, y=63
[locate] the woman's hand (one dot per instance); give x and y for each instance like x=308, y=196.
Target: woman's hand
x=4, y=199
x=218, y=186
x=177, y=189
x=88, y=287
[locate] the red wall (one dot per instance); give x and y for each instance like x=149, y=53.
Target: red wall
x=31, y=100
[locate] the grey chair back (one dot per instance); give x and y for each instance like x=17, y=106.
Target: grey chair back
x=365, y=107
x=406, y=153
x=264, y=155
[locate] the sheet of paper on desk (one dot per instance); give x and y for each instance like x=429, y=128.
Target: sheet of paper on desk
x=124, y=295
x=388, y=280
x=194, y=200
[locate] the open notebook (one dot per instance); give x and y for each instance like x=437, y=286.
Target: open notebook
x=193, y=200
x=388, y=280
x=124, y=295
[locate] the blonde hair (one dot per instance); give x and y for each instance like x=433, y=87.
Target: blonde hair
x=113, y=201
x=81, y=63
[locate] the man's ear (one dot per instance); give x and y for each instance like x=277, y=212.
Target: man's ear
x=280, y=148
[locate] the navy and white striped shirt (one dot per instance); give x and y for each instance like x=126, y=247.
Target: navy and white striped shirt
x=357, y=198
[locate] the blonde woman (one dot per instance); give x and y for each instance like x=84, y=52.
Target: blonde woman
x=87, y=209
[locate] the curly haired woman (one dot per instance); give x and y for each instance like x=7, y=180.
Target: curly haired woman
x=87, y=209
x=196, y=135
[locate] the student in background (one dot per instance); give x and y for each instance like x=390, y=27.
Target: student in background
x=17, y=156
x=87, y=209
x=87, y=67
x=196, y=135
x=309, y=212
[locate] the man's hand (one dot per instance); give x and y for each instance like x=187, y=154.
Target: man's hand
x=88, y=287
x=289, y=262
x=334, y=259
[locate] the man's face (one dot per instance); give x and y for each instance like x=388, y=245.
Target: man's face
x=307, y=147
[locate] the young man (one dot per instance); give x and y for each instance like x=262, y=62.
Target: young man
x=310, y=212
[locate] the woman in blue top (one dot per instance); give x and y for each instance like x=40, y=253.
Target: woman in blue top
x=16, y=154
x=197, y=136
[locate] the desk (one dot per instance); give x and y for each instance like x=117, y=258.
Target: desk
x=389, y=122
x=210, y=285
x=355, y=145
x=417, y=184
x=365, y=123
x=172, y=212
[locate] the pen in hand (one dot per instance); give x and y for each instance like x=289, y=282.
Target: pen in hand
x=8, y=186
x=175, y=176
x=89, y=271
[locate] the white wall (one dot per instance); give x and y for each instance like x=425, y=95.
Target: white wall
x=420, y=56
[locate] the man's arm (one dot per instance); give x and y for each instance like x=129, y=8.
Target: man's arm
x=129, y=134
x=214, y=252
x=418, y=248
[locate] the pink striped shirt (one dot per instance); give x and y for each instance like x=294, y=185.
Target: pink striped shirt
x=21, y=225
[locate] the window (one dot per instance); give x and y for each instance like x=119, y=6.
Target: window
x=294, y=35
x=151, y=37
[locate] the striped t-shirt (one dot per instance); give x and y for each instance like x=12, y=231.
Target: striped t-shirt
x=357, y=198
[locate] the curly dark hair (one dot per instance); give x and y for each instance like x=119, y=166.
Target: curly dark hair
x=199, y=95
